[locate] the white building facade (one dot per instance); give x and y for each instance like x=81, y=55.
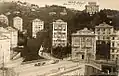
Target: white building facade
x=107, y=34
x=104, y=31
x=83, y=45
x=59, y=36
x=37, y=25
x=4, y=49
x=114, y=51
x=4, y=19
x=12, y=34
x=92, y=8
x=18, y=23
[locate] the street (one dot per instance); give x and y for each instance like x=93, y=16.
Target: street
x=31, y=70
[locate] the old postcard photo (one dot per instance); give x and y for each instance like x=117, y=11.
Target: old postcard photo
x=59, y=38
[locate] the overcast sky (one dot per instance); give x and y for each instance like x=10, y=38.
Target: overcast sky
x=112, y=4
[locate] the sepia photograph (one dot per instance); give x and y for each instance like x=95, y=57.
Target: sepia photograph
x=59, y=38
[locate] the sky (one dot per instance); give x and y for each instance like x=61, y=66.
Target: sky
x=111, y=4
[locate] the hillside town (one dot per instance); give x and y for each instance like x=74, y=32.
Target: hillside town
x=52, y=47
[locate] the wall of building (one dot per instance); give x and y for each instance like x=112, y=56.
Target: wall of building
x=18, y=23
x=59, y=37
x=37, y=25
x=92, y=8
x=104, y=40
x=83, y=45
x=4, y=49
x=114, y=51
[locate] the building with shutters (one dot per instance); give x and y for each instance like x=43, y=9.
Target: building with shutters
x=59, y=35
x=104, y=31
x=114, y=51
x=84, y=45
x=37, y=25
x=92, y=8
x=104, y=39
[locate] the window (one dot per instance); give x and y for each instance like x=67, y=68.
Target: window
x=103, y=37
x=112, y=38
x=108, y=38
x=112, y=50
x=98, y=29
x=82, y=56
x=109, y=31
x=113, y=44
x=112, y=56
x=83, y=42
x=98, y=37
x=63, y=27
x=88, y=42
x=98, y=32
x=76, y=54
x=75, y=50
x=76, y=41
x=117, y=55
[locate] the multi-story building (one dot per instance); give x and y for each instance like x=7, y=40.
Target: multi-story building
x=37, y=25
x=104, y=34
x=59, y=37
x=92, y=8
x=12, y=34
x=83, y=45
x=4, y=49
x=18, y=23
x=4, y=19
x=104, y=31
x=114, y=51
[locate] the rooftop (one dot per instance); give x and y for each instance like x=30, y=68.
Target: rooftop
x=37, y=19
x=3, y=30
x=2, y=37
x=17, y=17
x=103, y=25
x=11, y=29
x=59, y=21
x=84, y=31
x=3, y=16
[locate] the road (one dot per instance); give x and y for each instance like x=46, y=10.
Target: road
x=31, y=70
